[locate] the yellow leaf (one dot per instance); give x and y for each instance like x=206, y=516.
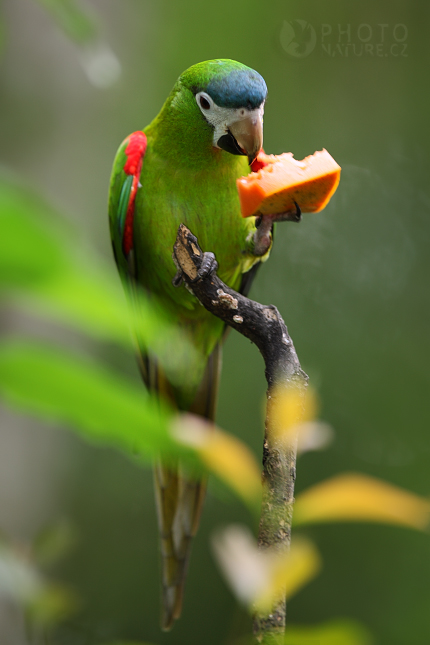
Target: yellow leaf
x=231, y=460
x=258, y=577
x=290, y=572
x=245, y=567
x=355, y=497
x=289, y=409
x=226, y=456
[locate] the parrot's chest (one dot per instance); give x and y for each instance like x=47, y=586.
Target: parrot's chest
x=206, y=202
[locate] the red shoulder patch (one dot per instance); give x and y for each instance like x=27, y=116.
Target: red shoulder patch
x=134, y=152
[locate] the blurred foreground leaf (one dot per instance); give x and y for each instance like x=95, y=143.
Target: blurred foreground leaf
x=290, y=407
x=44, y=603
x=100, y=405
x=293, y=414
x=89, y=297
x=355, y=497
x=45, y=269
x=334, y=632
x=82, y=296
x=29, y=248
x=70, y=16
x=224, y=455
x=78, y=23
x=110, y=410
x=44, y=266
x=256, y=576
x=290, y=572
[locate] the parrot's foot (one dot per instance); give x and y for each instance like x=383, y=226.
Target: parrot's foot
x=199, y=265
x=264, y=225
x=208, y=266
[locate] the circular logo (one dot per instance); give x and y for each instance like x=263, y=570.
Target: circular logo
x=298, y=38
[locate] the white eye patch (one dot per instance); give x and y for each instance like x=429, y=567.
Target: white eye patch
x=220, y=117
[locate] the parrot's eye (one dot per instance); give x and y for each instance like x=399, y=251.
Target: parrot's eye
x=204, y=103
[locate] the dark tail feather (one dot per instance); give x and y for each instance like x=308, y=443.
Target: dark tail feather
x=180, y=499
x=176, y=544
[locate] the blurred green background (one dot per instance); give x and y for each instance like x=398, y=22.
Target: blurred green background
x=351, y=283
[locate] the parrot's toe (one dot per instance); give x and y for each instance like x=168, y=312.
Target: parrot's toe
x=209, y=265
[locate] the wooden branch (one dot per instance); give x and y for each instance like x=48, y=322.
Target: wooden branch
x=264, y=326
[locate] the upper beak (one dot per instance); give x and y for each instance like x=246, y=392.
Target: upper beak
x=248, y=133
x=244, y=137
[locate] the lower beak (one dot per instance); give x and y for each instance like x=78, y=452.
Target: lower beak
x=248, y=137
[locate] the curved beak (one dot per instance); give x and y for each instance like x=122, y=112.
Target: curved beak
x=245, y=137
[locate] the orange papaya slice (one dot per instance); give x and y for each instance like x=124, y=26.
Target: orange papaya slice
x=280, y=182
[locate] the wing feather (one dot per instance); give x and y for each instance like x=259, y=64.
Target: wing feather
x=125, y=183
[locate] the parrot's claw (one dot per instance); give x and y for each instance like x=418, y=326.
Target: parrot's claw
x=177, y=280
x=297, y=216
x=288, y=216
x=209, y=265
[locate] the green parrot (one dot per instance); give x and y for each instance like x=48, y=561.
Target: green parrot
x=182, y=168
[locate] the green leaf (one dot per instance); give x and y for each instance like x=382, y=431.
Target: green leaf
x=101, y=406
x=44, y=268
x=76, y=22
x=109, y=410
x=89, y=296
x=85, y=297
x=29, y=248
